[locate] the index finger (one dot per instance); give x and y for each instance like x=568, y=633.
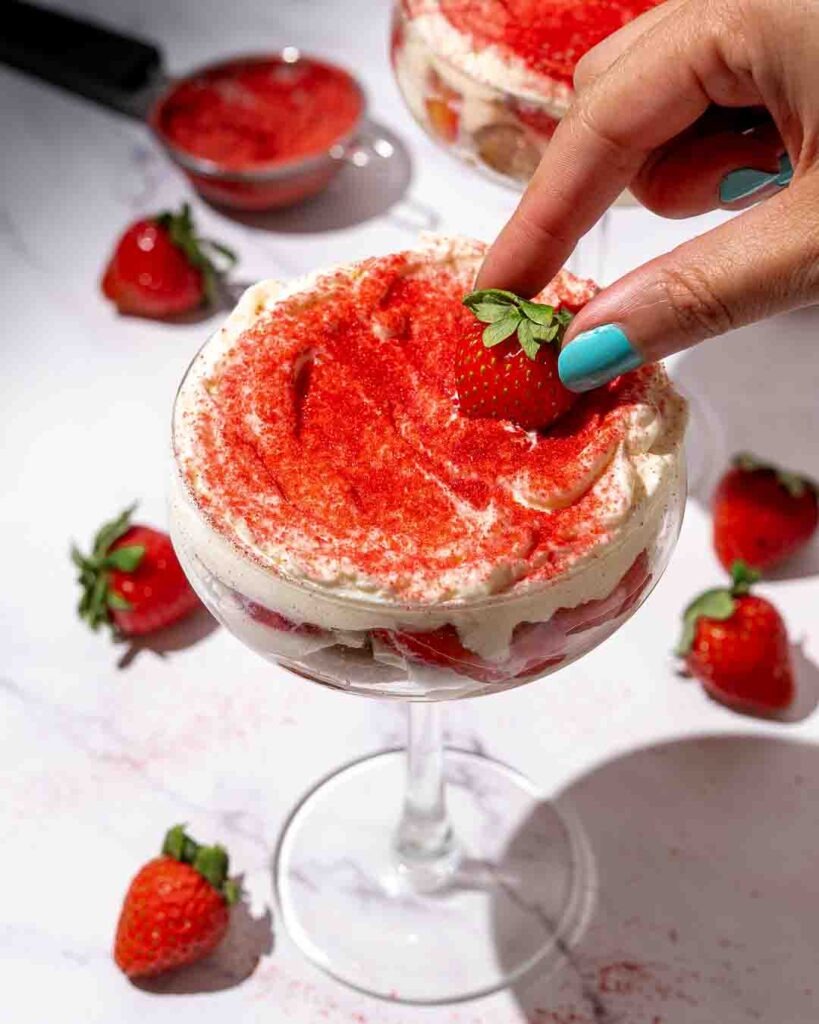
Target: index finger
x=658, y=87
x=604, y=54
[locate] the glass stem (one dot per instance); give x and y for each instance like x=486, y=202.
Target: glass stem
x=424, y=842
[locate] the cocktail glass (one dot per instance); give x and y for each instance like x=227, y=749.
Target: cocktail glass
x=421, y=875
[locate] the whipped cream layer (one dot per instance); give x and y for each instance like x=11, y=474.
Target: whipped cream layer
x=525, y=47
x=325, y=471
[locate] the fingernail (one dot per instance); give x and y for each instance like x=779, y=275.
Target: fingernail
x=785, y=171
x=747, y=181
x=595, y=357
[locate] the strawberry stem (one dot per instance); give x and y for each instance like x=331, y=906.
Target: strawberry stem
x=183, y=234
x=743, y=577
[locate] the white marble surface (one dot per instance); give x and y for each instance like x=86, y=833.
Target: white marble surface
x=704, y=824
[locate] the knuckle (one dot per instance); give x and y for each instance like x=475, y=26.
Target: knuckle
x=585, y=70
x=621, y=150
x=698, y=309
x=800, y=208
x=535, y=231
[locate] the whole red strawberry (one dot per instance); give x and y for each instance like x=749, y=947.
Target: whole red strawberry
x=177, y=908
x=161, y=268
x=132, y=580
x=762, y=514
x=509, y=372
x=736, y=644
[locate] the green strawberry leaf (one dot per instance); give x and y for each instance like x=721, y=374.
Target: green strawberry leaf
x=490, y=312
x=493, y=295
x=212, y=863
x=179, y=845
x=750, y=463
x=197, y=251
x=536, y=323
x=125, y=559
x=174, y=842
x=537, y=312
x=117, y=602
x=794, y=483
x=232, y=891
x=713, y=604
x=545, y=333
x=498, y=332
x=109, y=532
x=96, y=599
x=78, y=558
x=228, y=254
x=528, y=342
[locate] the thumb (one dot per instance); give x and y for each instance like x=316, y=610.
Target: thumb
x=763, y=262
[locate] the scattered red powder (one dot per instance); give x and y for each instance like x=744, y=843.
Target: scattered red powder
x=623, y=978
x=247, y=113
x=332, y=429
x=550, y=36
x=541, y=1016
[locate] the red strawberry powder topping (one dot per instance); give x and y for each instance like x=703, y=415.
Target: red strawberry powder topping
x=331, y=429
x=550, y=36
x=253, y=112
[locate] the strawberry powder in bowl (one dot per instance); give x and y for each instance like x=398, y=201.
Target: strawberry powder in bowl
x=260, y=132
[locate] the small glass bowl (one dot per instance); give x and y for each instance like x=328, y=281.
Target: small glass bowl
x=271, y=186
x=502, y=132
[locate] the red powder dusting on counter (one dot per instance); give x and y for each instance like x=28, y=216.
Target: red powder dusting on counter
x=255, y=112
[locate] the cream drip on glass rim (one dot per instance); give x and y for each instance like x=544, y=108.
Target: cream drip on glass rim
x=635, y=482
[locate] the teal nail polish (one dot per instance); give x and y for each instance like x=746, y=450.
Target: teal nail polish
x=785, y=171
x=595, y=357
x=747, y=181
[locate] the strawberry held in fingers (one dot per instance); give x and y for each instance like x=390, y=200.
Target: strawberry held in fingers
x=177, y=908
x=132, y=580
x=509, y=370
x=762, y=514
x=736, y=644
x=162, y=268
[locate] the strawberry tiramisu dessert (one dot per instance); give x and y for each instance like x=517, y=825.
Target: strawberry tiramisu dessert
x=382, y=484
x=492, y=78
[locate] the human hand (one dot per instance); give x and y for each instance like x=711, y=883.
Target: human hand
x=673, y=106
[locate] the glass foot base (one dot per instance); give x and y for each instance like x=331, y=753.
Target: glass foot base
x=519, y=894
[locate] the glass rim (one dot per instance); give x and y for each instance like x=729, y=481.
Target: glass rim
x=551, y=107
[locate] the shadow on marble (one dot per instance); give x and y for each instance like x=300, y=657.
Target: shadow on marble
x=357, y=194
x=706, y=908
x=178, y=637
x=221, y=302
x=806, y=678
x=247, y=941
x=744, y=400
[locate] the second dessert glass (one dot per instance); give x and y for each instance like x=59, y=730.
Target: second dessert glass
x=471, y=878
x=501, y=131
